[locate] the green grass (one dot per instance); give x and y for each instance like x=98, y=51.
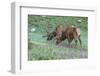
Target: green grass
x=41, y=49
x=47, y=52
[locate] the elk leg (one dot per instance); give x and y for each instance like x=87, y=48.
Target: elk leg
x=69, y=42
x=80, y=41
x=76, y=42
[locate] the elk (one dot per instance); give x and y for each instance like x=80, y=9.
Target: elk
x=62, y=33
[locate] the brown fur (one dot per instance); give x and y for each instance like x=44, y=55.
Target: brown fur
x=70, y=33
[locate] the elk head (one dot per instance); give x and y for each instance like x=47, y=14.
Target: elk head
x=51, y=35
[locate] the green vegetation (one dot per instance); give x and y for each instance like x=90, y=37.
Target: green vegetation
x=41, y=49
